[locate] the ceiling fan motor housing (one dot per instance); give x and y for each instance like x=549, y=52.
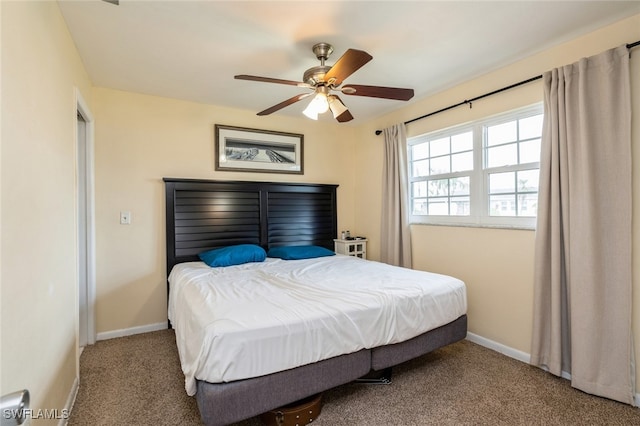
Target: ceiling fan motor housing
x=315, y=75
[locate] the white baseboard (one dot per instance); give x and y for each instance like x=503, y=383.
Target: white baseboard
x=71, y=399
x=499, y=347
x=131, y=331
x=519, y=355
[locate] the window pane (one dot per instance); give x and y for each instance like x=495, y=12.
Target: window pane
x=502, y=133
x=439, y=147
x=459, y=186
x=527, y=205
x=419, y=189
x=530, y=151
x=502, y=205
x=438, y=206
x=440, y=165
x=531, y=127
x=462, y=142
x=502, y=182
x=460, y=206
x=438, y=187
x=421, y=168
x=502, y=156
x=528, y=180
x=420, y=151
x=462, y=162
x=420, y=207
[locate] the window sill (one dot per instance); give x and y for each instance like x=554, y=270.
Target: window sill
x=477, y=225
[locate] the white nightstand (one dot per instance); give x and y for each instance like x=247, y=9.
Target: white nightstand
x=357, y=248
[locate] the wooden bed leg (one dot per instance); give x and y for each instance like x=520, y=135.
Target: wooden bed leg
x=382, y=377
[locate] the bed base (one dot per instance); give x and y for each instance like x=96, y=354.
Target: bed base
x=382, y=377
x=226, y=403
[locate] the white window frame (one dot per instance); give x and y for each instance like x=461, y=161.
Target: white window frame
x=479, y=185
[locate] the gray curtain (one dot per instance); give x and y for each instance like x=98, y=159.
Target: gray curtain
x=395, y=247
x=582, y=275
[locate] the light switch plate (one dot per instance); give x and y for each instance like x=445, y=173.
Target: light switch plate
x=125, y=218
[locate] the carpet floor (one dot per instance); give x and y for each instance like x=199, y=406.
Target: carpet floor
x=137, y=380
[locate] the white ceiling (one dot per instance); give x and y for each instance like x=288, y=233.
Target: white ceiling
x=192, y=49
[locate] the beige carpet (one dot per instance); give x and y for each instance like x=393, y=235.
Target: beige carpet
x=137, y=380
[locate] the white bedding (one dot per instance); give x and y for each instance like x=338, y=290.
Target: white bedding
x=250, y=320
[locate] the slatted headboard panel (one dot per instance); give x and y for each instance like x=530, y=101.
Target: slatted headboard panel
x=301, y=218
x=205, y=214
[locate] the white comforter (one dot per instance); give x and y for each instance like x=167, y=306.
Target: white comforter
x=254, y=319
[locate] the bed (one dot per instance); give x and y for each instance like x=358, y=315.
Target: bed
x=347, y=335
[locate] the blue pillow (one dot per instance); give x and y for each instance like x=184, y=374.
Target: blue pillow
x=233, y=255
x=299, y=252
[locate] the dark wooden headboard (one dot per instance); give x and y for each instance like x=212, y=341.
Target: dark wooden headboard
x=207, y=214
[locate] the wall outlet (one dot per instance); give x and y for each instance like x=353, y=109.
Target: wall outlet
x=125, y=218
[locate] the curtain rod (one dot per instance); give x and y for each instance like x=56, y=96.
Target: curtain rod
x=470, y=101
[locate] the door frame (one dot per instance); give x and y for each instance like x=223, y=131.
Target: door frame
x=82, y=108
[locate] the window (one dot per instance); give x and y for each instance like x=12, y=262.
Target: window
x=482, y=173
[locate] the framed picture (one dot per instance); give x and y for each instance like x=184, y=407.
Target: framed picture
x=253, y=150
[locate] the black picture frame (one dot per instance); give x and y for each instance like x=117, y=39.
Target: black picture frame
x=242, y=149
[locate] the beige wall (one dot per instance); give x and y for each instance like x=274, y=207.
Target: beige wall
x=40, y=68
x=141, y=139
x=497, y=265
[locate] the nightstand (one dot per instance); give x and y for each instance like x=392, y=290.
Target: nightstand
x=357, y=248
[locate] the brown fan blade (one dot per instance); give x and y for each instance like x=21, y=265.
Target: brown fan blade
x=348, y=63
x=344, y=117
x=284, y=104
x=339, y=110
x=270, y=80
x=378, y=92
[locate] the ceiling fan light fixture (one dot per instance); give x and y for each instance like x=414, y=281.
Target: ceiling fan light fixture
x=310, y=111
x=336, y=107
x=321, y=103
x=318, y=105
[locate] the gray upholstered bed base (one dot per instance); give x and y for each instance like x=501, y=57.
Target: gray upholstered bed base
x=225, y=403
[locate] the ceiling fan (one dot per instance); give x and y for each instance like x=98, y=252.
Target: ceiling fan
x=324, y=79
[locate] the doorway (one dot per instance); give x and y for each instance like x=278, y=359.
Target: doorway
x=85, y=223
